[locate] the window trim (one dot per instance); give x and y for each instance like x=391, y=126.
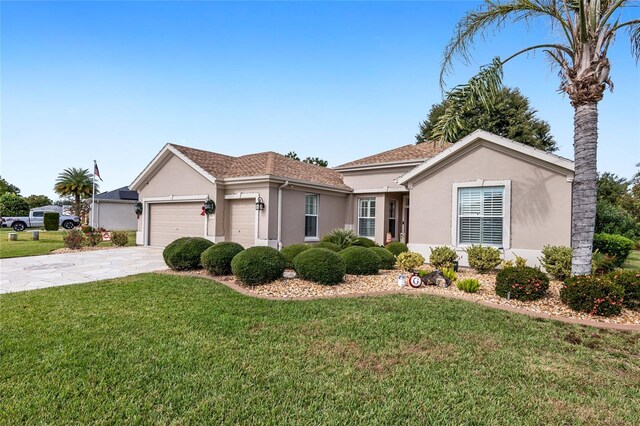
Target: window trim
x=506, y=217
x=312, y=238
x=375, y=200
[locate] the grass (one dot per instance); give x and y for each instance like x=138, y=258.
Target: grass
x=164, y=349
x=633, y=261
x=49, y=240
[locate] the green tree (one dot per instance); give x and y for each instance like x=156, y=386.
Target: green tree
x=7, y=187
x=582, y=32
x=13, y=205
x=510, y=116
x=311, y=160
x=76, y=183
x=38, y=201
x=611, y=188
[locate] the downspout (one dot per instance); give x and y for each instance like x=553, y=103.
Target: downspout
x=279, y=242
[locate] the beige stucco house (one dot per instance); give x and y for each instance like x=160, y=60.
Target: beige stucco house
x=484, y=189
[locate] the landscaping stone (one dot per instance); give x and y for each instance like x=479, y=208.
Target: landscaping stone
x=13, y=236
x=436, y=278
x=35, y=235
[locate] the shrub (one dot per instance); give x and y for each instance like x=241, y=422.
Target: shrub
x=93, y=236
x=364, y=242
x=449, y=274
x=73, y=239
x=593, y=295
x=360, y=261
x=343, y=238
x=51, y=221
x=468, y=285
x=524, y=283
x=327, y=245
x=290, y=252
x=483, y=258
x=258, y=265
x=119, y=238
x=387, y=259
x=409, y=261
x=630, y=281
x=216, y=260
x=320, y=265
x=613, y=245
x=557, y=261
x=396, y=248
x=442, y=257
x=184, y=253
x=602, y=263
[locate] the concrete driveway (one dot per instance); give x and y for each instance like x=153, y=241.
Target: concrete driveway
x=30, y=273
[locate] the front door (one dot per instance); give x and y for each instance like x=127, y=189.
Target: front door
x=404, y=237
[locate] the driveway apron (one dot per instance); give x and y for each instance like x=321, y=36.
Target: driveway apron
x=33, y=272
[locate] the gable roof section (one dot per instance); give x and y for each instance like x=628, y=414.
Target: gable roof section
x=406, y=153
x=118, y=194
x=482, y=135
x=214, y=166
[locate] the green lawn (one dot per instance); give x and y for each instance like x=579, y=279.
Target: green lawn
x=168, y=349
x=49, y=240
x=633, y=261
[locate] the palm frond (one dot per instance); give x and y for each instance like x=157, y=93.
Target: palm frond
x=480, y=91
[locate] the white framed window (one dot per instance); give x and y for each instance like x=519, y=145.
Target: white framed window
x=393, y=218
x=480, y=215
x=367, y=217
x=311, y=216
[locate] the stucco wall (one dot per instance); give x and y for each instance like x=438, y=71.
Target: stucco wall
x=115, y=215
x=331, y=213
x=370, y=179
x=540, y=200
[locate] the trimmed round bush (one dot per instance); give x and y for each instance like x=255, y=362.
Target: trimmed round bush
x=320, y=265
x=364, y=242
x=593, y=295
x=396, y=248
x=409, y=261
x=258, y=265
x=184, y=253
x=290, y=252
x=216, y=260
x=483, y=258
x=557, y=261
x=524, y=283
x=387, y=259
x=630, y=281
x=327, y=245
x=613, y=245
x=119, y=238
x=442, y=257
x=360, y=261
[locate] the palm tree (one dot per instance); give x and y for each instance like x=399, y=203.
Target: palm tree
x=76, y=183
x=585, y=30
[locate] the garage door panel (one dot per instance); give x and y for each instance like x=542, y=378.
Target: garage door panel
x=241, y=222
x=170, y=221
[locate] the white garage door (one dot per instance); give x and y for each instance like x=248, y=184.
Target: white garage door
x=241, y=222
x=170, y=221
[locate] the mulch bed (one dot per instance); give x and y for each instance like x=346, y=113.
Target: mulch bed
x=387, y=282
x=86, y=248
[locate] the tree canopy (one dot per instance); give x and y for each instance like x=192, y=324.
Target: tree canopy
x=76, y=183
x=311, y=160
x=510, y=116
x=618, y=205
x=7, y=187
x=13, y=205
x=38, y=201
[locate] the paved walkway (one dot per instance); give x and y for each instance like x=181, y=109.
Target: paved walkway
x=30, y=273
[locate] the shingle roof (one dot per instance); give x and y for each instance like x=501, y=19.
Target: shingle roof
x=118, y=194
x=265, y=163
x=420, y=151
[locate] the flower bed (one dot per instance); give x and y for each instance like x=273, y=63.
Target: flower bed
x=387, y=282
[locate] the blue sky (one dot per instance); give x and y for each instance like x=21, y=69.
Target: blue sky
x=115, y=81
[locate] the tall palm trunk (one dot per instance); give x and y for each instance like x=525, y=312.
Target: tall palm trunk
x=585, y=142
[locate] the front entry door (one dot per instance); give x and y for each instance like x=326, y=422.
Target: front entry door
x=404, y=237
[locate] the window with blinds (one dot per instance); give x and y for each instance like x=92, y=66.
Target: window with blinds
x=311, y=216
x=367, y=217
x=481, y=215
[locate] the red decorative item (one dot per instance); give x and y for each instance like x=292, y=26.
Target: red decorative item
x=203, y=213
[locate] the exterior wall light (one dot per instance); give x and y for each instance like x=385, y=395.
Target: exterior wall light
x=138, y=208
x=209, y=206
x=259, y=204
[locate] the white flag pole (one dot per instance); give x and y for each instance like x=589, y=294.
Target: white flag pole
x=93, y=195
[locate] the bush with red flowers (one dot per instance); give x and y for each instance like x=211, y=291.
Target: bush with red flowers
x=597, y=295
x=522, y=283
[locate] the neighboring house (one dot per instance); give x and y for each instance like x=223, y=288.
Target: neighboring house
x=484, y=189
x=114, y=210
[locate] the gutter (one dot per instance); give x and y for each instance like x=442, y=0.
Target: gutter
x=279, y=242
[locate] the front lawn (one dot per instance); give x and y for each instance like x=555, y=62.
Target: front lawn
x=633, y=261
x=159, y=348
x=49, y=240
